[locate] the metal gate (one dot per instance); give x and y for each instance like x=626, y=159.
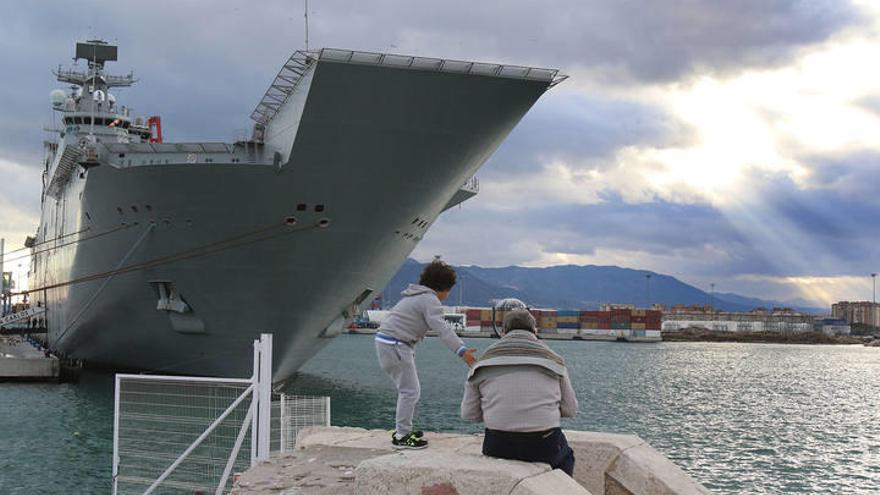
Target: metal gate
x=189, y=434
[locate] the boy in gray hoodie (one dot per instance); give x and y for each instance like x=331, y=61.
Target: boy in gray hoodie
x=418, y=311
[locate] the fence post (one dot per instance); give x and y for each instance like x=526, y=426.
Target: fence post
x=115, y=473
x=327, y=399
x=255, y=396
x=264, y=404
x=282, y=418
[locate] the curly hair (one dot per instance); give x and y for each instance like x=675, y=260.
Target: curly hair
x=438, y=275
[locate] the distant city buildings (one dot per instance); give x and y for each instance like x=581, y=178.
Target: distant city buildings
x=833, y=326
x=680, y=317
x=864, y=312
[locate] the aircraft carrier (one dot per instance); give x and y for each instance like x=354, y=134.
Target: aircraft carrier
x=168, y=256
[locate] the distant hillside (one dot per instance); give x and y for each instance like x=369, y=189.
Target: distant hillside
x=571, y=287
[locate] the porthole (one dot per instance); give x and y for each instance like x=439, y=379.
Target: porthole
x=119, y=210
x=301, y=207
x=148, y=207
x=290, y=221
x=323, y=223
x=319, y=208
x=134, y=208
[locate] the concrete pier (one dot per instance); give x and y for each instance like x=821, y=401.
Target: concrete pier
x=20, y=361
x=341, y=460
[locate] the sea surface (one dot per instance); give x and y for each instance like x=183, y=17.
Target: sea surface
x=740, y=418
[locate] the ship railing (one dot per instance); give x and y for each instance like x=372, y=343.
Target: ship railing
x=80, y=78
x=294, y=69
x=552, y=76
x=179, y=434
x=282, y=86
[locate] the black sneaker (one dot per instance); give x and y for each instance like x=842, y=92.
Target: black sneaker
x=409, y=441
x=416, y=433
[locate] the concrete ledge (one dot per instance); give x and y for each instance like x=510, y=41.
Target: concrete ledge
x=358, y=461
x=38, y=368
x=415, y=471
x=626, y=465
x=552, y=482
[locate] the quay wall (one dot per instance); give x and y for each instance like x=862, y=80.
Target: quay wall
x=12, y=368
x=347, y=460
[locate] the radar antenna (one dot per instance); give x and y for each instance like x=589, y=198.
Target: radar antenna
x=307, y=24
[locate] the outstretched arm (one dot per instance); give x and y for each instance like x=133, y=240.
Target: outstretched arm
x=436, y=322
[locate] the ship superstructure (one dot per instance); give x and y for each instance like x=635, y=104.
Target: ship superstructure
x=174, y=256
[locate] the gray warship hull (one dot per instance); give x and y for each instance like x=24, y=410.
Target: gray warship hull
x=185, y=252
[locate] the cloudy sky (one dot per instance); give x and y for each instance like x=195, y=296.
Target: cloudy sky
x=726, y=142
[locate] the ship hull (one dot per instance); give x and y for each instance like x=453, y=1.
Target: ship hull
x=292, y=247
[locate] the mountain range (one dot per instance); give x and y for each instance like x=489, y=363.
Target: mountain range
x=576, y=287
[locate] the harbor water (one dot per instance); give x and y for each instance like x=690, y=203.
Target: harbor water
x=740, y=418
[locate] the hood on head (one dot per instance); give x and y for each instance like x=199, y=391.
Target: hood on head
x=416, y=289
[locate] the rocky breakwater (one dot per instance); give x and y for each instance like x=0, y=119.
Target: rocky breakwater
x=341, y=460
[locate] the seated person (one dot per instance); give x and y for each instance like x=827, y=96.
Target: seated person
x=520, y=388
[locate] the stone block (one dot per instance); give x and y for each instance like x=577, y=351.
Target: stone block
x=594, y=453
x=441, y=471
x=641, y=470
x=553, y=482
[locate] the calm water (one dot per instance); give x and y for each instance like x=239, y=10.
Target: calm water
x=740, y=418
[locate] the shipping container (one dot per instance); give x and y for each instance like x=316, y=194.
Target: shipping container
x=485, y=314
x=638, y=312
x=620, y=325
x=590, y=325
x=566, y=312
x=637, y=326
x=604, y=324
x=473, y=314
x=638, y=319
x=567, y=319
x=567, y=325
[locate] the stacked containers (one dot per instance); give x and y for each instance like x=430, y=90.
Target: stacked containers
x=499, y=317
x=604, y=320
x=621, y=319
x=653, y=319
x=567, y=321
x=486, y=317
x=546, y=319
x=589, y=319
x=473, y=317
x=638, y=319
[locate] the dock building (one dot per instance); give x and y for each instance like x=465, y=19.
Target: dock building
x=863, y=312
x=758, y=320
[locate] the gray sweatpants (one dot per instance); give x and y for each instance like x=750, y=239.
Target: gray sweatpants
x=398, y=360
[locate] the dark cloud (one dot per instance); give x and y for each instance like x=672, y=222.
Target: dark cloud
x=205, y=65
x=582, y=131
x=634, y=39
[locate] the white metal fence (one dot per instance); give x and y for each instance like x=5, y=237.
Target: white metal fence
x=175, y=434
x=298, y=412
x=160, y=418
